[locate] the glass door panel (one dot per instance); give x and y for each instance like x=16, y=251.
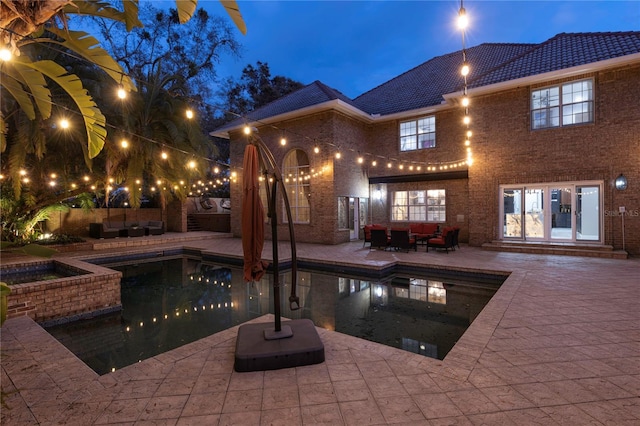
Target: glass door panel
x=353, y=218
x=588, y=213
x=512, y=208
x=534, y=213
x=561, y=217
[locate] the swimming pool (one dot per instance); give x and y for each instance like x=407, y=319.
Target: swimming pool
x=171, y=302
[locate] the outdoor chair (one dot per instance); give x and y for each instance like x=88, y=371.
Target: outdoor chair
x=445, y=240
x=367, y=232
x=400, y=240
x=454, y=243
x=100, y=230
x=379, y=239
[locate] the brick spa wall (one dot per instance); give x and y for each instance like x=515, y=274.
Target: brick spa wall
x=97, y=289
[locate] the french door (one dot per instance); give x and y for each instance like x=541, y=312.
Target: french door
x=567, y=212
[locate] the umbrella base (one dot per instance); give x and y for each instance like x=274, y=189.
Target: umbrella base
x=254, y=352
x=272, y=334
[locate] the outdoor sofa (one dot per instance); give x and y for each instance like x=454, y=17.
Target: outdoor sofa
x=113, y=229
x=423, y=231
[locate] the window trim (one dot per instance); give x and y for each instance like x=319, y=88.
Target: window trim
x=424, y=207
x=299, y=182
x=561, y=105
x=417, y=134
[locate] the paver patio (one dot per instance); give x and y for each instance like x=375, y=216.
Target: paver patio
x=559, y=343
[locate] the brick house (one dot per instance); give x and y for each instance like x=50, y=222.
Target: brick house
x=554, y=124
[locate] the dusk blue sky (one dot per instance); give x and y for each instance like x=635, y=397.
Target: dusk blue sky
x=354, y=46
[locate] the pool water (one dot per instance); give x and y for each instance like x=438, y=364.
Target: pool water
x=168, y=303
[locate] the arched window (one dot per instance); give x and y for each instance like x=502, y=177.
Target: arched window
x=295, y=173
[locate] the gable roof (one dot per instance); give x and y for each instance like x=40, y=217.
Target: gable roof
x=428, y=84
x=310, y=95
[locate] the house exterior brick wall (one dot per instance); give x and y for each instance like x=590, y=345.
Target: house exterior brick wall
x=506, y=151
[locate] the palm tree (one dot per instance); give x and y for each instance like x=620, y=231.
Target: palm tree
x=27, y=80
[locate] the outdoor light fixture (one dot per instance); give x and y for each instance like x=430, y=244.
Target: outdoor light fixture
x=621, y=182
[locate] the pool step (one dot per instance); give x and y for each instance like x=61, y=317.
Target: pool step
x=567, y=249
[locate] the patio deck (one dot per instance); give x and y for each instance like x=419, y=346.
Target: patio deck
x=558, y=344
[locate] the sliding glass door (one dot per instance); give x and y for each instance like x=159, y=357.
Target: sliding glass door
x=565, y=212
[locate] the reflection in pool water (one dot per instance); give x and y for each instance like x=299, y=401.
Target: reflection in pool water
x=168, y=303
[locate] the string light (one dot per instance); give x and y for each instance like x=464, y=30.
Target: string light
x=5, y=54
x=247, y=130
x=463, y=22
x=124, y=143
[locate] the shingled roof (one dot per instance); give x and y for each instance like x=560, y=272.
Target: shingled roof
x=491, y=63
x=565, y=50
x=424, y=85
x=312, y=94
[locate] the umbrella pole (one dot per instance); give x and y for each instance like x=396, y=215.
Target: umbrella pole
x=274, y=243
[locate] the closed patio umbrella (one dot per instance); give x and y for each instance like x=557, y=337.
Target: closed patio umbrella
x=252, y=217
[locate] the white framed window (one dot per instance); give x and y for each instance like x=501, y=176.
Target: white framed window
x=418, y=134
x=296, y=177
x=436, y=205
x=562, y=105
x=419, y=206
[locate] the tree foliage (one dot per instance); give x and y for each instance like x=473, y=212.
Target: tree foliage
x=61, y=71
x=254, y=89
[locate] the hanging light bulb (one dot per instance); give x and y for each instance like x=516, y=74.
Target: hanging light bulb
x=465, y=101
x=247, y=130
x=122, y=94
x=192, y=164
x=124, y=143
x=189, y=114
x=467, y=142
x=360, y=160
x=463, y=20
x=338, y=155
x=283, y=141
x=465, y=69
x=466, y=119
x=469, y=133
x=316, y=150
x=64, y=123
x=164, y=155
x=374, y=163
x=5, y=54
